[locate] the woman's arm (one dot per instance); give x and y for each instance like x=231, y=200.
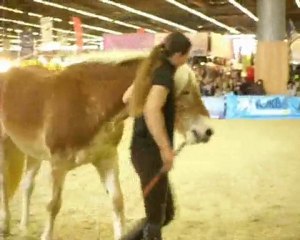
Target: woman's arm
x=156, y=123
x=154, y=115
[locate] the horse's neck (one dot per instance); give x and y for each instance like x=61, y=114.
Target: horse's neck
x=124, y=79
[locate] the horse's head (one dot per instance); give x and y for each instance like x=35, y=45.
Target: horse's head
x=190, y=110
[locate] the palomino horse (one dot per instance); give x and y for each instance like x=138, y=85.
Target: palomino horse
x=72, y=118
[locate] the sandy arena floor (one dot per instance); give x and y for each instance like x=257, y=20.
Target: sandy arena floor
x=243, y=185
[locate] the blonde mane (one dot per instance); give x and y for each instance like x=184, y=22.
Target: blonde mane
x=107, y=57
x=183, y=76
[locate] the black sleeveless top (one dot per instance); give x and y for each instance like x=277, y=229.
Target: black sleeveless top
x=163, y=76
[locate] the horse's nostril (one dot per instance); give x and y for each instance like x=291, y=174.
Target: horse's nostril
x=196, y=135
x=209, y=132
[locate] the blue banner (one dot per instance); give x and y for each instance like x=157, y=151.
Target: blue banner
x=215, y=106
x=262, y=107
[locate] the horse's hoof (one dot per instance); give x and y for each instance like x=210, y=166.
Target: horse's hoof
x=4, y=234
x=4, y=230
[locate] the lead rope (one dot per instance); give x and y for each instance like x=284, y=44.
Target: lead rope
x=147, y=189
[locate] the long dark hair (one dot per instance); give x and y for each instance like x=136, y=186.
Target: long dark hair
x=175, y=42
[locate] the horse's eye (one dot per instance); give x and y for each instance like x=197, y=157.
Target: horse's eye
x=185, y=92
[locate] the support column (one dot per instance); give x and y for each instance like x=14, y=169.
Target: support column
x=272, y=56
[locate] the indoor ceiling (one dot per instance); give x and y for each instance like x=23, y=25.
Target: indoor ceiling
x=119, y=20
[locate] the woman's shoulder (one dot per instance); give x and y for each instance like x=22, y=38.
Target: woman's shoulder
x=165, y=68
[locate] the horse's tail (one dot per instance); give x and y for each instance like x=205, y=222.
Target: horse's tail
x=14, y=161
x=2, y=77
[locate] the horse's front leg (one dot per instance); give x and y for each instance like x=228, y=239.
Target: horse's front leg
x=108, y=169
x=31, y=169
x=58, y=174
x=4, y=206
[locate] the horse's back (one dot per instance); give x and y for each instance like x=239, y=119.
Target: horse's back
x=67, y=108
x=85, y=97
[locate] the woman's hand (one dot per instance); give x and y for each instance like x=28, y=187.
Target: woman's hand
x=167, y=155
x=127, y=95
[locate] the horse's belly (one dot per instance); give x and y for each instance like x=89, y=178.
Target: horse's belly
x=103, y=146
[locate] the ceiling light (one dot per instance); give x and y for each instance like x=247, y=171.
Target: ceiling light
x=133, y=26
x=11, y=9
x=40, y=16
x=8, y=35
x=148, y=15
x=97, y=28
x=298, y=3
x=38, y=26
x=244, y=10
x=89, y=14
x=100, y=29
x=35, y=15
x=57, y=20
x=15, y=41
x=30, y=13
x=203, y=16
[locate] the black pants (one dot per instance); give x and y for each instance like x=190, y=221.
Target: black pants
x=159, y=204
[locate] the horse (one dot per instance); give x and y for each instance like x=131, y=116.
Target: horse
x=75, y=117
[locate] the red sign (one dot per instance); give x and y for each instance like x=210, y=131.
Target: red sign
x=141, y=30
x=78, y=32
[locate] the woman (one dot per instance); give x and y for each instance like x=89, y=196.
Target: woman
x=151, y=102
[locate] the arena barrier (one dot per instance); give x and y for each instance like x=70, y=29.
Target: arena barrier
x=215, y=106
x=253, y=107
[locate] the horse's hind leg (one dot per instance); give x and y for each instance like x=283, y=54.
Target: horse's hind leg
x=4, y=208
x=11, y=168
x=108, y=170
x=31, y=169
x=58, y=178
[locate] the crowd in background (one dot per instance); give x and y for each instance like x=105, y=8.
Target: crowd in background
x=294, y=81
x=217, y=77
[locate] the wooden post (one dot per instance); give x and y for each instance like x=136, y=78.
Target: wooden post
x=271, y=65
x=272, y=55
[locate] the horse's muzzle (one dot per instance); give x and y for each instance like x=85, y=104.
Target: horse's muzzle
x=203, y=138
x=209, y=132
